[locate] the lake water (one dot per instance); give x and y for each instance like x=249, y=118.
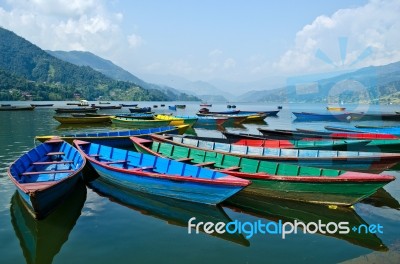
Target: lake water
x=134, y=228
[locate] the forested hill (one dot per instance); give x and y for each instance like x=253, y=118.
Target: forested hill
x=28, y=72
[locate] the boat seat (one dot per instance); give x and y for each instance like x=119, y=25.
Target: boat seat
x=46, y=172
x=52, y=162
x=54, y=141
x=55, y=153
x=114, y=161
x=232, y=168
x=205, y=164
x=184, y=159
x=143, y=168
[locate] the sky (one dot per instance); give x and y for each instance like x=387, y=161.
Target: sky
x=233, y=40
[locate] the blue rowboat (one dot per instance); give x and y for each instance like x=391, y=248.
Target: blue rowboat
x=117, y=138
x=172, y=107
x=45, y=175
x=303, y=116
x=395, y=130
x=159, y=176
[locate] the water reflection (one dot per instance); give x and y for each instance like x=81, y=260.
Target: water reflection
x=381, y=198
x=41, y=240
x=174, y=212
x=289, y=211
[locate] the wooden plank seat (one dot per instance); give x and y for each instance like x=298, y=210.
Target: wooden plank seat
x=51, y=141
x=232, y=168
x=46, y=172
x=52, y=162
x=55, y=153
x=205, y=164
x=114, y=161
x=143, y=168
x=184, y=159
x=32, y=186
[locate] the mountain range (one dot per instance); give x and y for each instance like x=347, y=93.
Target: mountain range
x=29, y=73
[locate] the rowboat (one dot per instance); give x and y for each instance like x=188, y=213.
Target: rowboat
x=140, y=109
x=138, y=123
x=76, y=110
x=231, y=106
x=180, y=106
x=209, y=120
x=146, y=116
x=171, y=211
x=316, y=134
x=42, y=105
x=159, y=176
x=261, y=141
x=104, y=107
x=41, y=240
x=129, y=105
x=283, y=211
x=230, y=112
x=46, y=175
x=82, y=119
x=394, y=131
x=376, y=116
x=250, y=118
x=268, y=113
x=117, y=138
x=104, y=102
x=304, y=116
x=331, y=159
x=175, y=120
x=335, y=108
x=4, y=105
x=17, y=108
x=374, y=145
x=232, y=119
x=206, y=105
x=283, y=181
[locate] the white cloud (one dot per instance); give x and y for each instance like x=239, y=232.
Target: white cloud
x=69, y=25
x=215, y=53
x=373, y=27
x=229, y=63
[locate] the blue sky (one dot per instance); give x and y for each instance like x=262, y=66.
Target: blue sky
x=205, y=40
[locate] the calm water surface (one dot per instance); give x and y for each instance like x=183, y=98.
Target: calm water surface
x=135, y=228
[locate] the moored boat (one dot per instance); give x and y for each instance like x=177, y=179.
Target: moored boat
x=116, y=138
x=172, y=107
x=348, y=160
x=335, y=108
x=129, y=105
x=210, y=120
x=83, y=119
x=45, y=175
x=284, y=181
x=394, y=131
x=175, y=121
x=159, y=176
x=76, y=110
x=376, y=116
x=304, y=116
x=140, y=110
x=180, y=106
x=268, y=113
x=17, y=108
x=316, y=134
x=104, y=107
x=148, y=116
x=139, y=123
x=42, y=105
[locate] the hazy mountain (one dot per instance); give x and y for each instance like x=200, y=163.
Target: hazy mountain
x=370, y=84
x=111, y=70
x=29, y=72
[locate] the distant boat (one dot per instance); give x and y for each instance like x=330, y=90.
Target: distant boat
x=180, y=106
x=17, y=108
x=129, y=105
x=42, y=105
x=140, y=110
x=162, y=105
x=305, y=116
x=155, y=106
x=46, y=175
x=280, y=107
x=139, y=123
x=101, y=102
x=76, y=110
x=101, y=107
x=3, y=105
x=335, y=108
x=172, y=107
x=83, y=119
x=206, y=105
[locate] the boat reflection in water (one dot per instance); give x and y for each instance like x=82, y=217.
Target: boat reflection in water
x=175, y=212
x=41, y=240
x=210, y=127
x=381, y=198
x=289, y=211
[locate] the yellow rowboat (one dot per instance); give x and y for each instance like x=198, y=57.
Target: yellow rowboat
x=82, y=119
x=176, y=121
x=334, y=108
x=139, y=123
x=255, y=118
